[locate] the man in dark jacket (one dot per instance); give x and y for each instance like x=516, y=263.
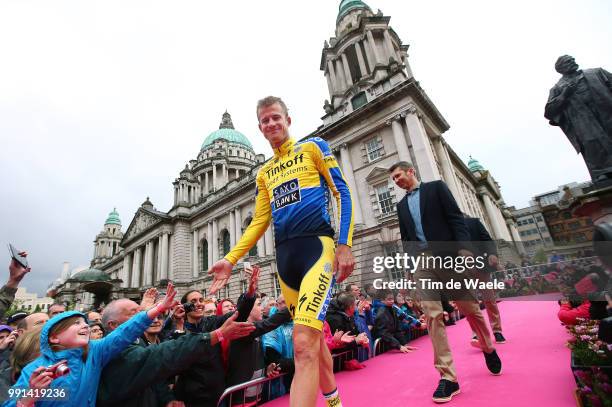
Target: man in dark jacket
x=485, y=246
x=430, y=222
x=132, y=378
x=387, y=323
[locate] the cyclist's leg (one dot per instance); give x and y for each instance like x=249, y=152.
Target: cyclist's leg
x=314, y=297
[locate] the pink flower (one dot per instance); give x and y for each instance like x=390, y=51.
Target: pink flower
x=585, y=337
x=581, y=375
x=586, y=390
x=573, y=340
x=595, y=400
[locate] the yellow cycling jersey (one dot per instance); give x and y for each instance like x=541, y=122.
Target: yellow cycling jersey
x=293, y=189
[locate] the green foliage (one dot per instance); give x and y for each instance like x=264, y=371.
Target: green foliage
x=540, y=256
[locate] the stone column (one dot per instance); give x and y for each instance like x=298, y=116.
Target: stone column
x=157, y=274
x=164, y=256
x=206, y=182
x=347, y=171
x=491, y=208
x=377, y=59
x=209, y=234
x=340, y=72
x=403, y=152
x=334, y=78
x=447, y=170
x=362, y=66
x=125, y=275
x=515, y=236
x=232, y=228
x=238, y=224
x=505, y=232
x=368, y=54
x=215, y=241
x=347, y=71
x=269, y=241
x=425, y=160
x=149, y=264
x=390, y=49
x=237, y=173
x=330, y=86
x=194, y=256
x=261, y=247
x=214, y=175
x=136, y=268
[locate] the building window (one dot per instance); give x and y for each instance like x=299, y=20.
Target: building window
x=277, y=289
x=374, y=148
x=394, y=274
x=359, y=100
x=530, y=220
x=225, y=240
x=204, y=255
x=385, y=199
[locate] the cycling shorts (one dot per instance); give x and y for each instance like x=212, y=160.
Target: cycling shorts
x=305, y=270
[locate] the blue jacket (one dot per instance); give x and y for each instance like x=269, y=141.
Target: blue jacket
x=407, y=320
x=81, y=384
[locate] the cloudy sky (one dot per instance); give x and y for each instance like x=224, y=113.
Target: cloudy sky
x=102, y=103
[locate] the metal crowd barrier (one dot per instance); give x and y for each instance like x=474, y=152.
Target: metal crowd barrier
x=375, y=350
x=243, y=386
x=229, y=392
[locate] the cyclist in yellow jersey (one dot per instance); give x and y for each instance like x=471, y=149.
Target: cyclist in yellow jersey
x=293, y=190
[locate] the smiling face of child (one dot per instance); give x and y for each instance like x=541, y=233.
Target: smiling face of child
x=71, y=333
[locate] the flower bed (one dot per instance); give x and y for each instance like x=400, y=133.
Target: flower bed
x=591, y=364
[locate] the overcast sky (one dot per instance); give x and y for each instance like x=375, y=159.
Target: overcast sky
x=102, y=103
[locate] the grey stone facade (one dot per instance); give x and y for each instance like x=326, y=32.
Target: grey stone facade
x=377, y=114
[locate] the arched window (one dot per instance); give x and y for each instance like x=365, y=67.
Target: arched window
x=225, y=240
x=253, y=251
x=204, y=255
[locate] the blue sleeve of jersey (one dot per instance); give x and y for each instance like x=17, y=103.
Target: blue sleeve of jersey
x=340, y=190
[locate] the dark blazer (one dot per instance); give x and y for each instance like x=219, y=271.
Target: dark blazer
x=441, y=218
x=478, y=233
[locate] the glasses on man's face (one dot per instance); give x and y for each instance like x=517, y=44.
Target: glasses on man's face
x=209, y=312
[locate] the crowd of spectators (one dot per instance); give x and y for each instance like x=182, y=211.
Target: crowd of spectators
x=187, y=352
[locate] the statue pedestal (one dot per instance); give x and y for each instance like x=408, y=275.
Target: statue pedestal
x=596, y=203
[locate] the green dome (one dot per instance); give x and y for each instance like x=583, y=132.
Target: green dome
x=91, y=275
x=226, y=131
x=474, y=165
x=113, y=218
x=348, y=5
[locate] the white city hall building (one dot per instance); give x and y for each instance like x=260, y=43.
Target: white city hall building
x=376, y=115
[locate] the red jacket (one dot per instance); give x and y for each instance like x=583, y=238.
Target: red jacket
x=568, y=315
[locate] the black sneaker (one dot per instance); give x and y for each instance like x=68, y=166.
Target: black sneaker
x=445, y=391
x=499, y=338
x=493, y=363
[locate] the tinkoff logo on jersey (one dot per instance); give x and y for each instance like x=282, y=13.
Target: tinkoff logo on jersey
x=287, y=193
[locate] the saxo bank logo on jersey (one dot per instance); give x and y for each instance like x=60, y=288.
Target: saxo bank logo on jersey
x=287, y=193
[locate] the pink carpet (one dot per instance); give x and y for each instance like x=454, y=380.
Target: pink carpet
x=536, y=367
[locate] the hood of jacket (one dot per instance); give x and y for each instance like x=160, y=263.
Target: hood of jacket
x=45, y=347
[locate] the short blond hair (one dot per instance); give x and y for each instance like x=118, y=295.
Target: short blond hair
x=269, y=101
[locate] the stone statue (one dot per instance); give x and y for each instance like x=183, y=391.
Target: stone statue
x=581, y=104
